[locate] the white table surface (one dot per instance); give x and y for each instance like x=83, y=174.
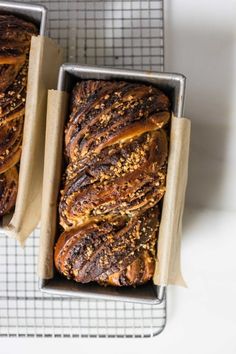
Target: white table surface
x=200, y=43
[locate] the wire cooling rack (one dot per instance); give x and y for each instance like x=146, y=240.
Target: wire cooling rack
x=113, y=33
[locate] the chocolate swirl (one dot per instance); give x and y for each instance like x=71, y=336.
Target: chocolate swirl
x=113, y=252
x=15, y=37
x=8, y=190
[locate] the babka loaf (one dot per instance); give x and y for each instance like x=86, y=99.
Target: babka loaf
x=15, y=37
x=116, y=151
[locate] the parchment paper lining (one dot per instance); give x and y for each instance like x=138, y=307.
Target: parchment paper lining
x=168, y=264
x=56, y=114
x=168, y=269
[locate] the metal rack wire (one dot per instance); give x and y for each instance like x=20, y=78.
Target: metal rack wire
x=113, y=33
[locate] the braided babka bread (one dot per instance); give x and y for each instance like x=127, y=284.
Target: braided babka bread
x=15, y=37
x=116, y=158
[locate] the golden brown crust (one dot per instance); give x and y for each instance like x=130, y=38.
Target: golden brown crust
x=8, y=190
x=10, y=143
x=114, y=113
x=15, y=37
x=8, y=72
x=117, y=181
x=96, y=251
x=12, y=100
x=138, y=272
x=116, y=147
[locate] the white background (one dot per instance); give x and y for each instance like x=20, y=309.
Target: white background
x=200, y=43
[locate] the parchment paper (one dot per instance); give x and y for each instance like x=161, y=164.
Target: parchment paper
x=168, y=270
x=168, y=263
x=56, y=114
x=44, y=62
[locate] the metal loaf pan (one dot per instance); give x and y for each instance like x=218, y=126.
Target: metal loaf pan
x=174, y=86
x=34, y=13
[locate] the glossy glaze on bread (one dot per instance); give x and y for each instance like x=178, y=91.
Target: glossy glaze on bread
x=15, y=37
x=116, y=150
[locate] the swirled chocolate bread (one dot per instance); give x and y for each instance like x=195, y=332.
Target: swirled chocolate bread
x=116, y=151
x=15, y=37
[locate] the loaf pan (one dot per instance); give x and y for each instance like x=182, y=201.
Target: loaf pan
x=34, y=13
x=174, y=86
